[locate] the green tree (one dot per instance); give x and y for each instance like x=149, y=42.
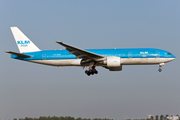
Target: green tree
x=156, y=118
x=152, y=118
x=79, y=118
x=167, y=116
x=162, y=117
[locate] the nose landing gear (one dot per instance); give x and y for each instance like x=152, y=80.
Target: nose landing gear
x=91, y=71
x=159, y=69
x=160, y=65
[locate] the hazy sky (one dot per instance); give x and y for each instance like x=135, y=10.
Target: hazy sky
x=33, y=90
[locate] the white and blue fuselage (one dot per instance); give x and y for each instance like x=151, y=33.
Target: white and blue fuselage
x=136, y=56
x=112, y=59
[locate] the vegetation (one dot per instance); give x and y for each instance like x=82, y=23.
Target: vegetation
x=59, y=118
x=162, y=117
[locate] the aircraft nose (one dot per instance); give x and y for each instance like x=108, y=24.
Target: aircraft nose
x=170, y=59
x=173, y=57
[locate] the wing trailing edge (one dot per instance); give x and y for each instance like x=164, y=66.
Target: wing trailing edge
x=80, y=53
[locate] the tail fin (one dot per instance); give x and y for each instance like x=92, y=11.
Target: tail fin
x=24, y=44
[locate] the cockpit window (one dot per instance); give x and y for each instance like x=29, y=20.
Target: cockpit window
x=169, y=54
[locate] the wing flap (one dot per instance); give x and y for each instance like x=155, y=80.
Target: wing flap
x=18, y=54
x=80, y=53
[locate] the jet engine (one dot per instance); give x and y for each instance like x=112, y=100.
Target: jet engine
x=113, y=61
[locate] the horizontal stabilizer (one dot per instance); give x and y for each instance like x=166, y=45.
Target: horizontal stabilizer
x=18, y=54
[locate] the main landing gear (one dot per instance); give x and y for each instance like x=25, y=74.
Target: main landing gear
x=160, y=65
x=91, y=71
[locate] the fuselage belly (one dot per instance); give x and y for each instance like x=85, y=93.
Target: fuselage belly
x=125, y=61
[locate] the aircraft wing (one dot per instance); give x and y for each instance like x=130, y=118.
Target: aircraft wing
x=80, y=53
x=18, y=54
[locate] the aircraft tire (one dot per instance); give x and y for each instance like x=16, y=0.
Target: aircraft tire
x=86, y=71
x=159, y=69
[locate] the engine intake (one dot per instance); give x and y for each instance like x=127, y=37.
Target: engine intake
x=113, y=62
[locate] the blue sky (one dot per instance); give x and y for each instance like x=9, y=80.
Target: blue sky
x=32, y=90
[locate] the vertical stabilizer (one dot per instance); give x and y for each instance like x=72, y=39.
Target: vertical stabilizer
x=24, y=44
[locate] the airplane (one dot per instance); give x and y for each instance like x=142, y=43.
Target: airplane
x=111, y=59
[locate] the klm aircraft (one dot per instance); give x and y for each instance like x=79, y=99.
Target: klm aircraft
x=112, y=59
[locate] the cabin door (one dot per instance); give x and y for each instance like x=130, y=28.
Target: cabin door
x=129, y=54
x=157, y=54
x=44, y=56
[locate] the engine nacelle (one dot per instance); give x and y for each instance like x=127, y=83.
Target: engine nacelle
x=113, y=62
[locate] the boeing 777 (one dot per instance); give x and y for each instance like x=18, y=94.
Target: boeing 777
x=111, y=59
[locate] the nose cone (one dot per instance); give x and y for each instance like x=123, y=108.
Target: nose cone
x=172, y=58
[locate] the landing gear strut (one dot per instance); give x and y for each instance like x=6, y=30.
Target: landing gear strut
x=160, y=65
x=91, y=71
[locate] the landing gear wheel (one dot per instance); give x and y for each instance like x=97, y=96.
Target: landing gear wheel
x=95, y=71
x=86, y=71
x=91, y=71
x=159, y=69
